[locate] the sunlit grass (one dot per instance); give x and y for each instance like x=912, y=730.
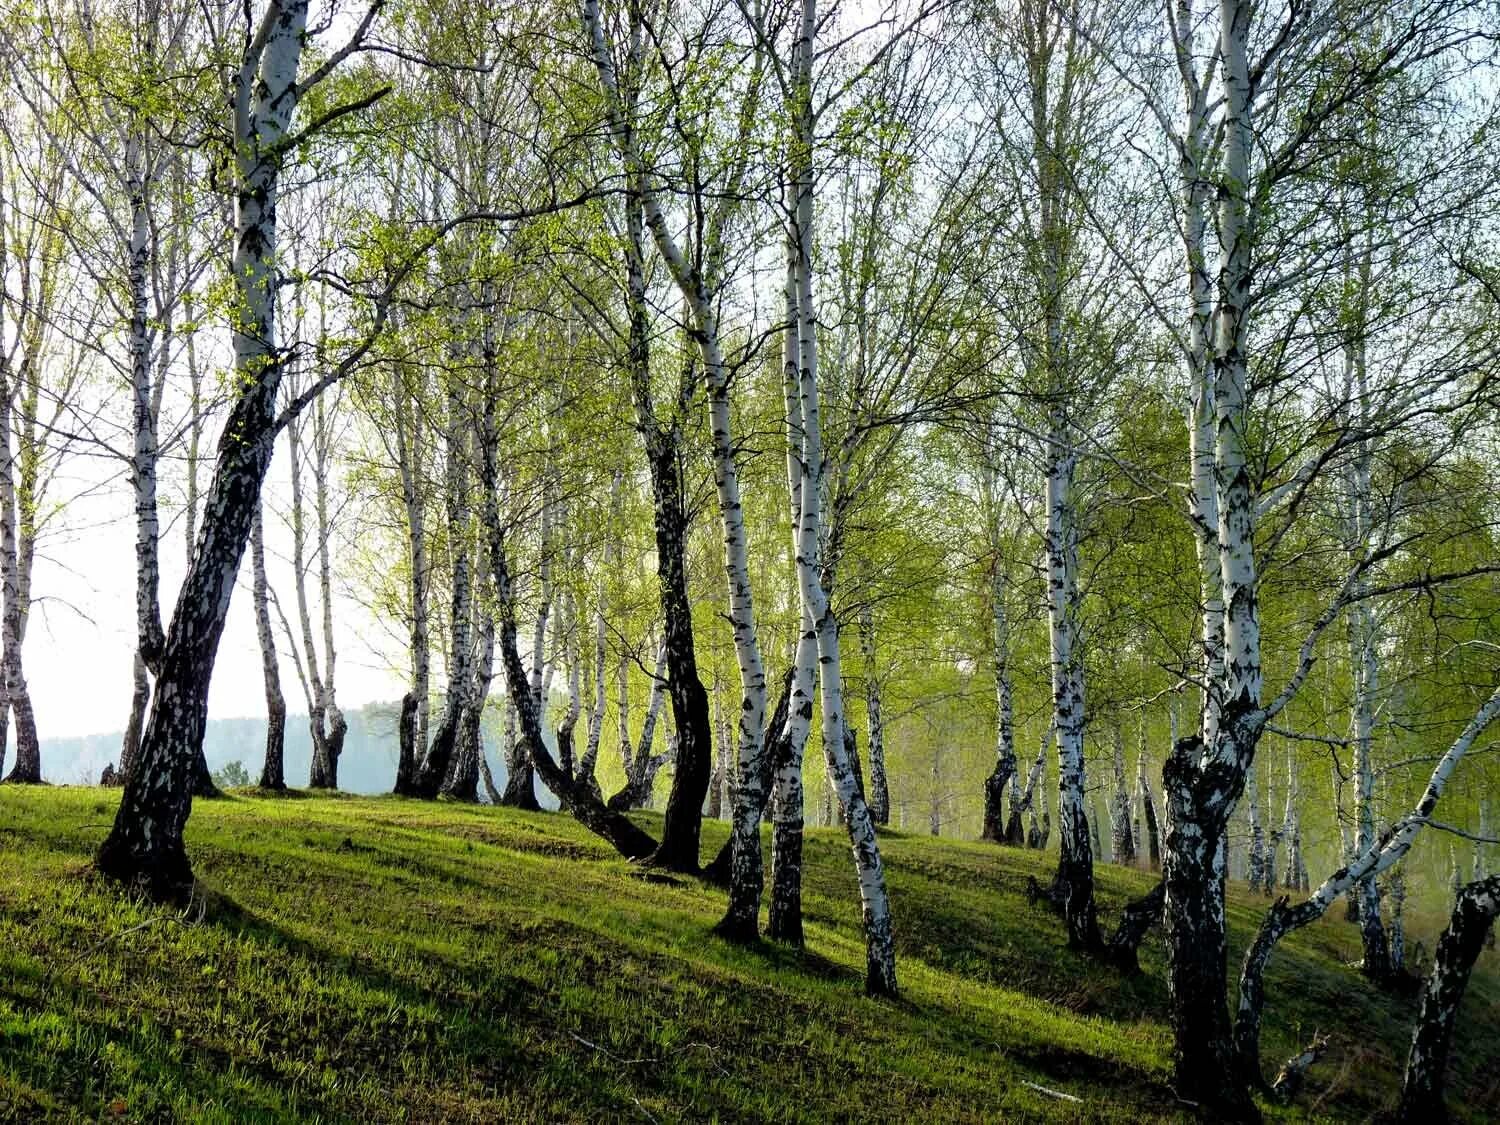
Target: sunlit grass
x=383, y=960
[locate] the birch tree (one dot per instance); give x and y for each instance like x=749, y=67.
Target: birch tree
x=144, y=847
x=699, y=277
x=1236, y=147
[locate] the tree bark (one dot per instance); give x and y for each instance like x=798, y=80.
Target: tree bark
x=1380, y=856
x=880, y=793
x=520, y=781
x=1193, y=873
x=880, y=948
x=28, y=764
x=578, y=800
x=406, y=762
x=697, y=281
x=1148, y=806
x=682, y=824
x=1123, y=842
x=409, y=458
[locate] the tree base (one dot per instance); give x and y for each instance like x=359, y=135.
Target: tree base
x=717, y=871
x=737, y=930
x=165, y=878
x=673, y=859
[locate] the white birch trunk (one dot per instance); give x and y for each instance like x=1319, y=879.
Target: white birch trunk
x=698, y=292
x=880, y=953
x=1123, y=842
x=145, y=845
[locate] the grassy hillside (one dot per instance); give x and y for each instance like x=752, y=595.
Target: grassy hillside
x=379, y=960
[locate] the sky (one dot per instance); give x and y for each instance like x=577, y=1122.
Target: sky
x=81, y=639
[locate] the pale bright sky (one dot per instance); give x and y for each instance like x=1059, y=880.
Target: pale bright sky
x=80, y=642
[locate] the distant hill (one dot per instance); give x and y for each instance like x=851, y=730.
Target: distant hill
x=368, y=764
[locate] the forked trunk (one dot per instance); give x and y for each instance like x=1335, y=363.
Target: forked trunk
x=1193, y=872
x=145, y=846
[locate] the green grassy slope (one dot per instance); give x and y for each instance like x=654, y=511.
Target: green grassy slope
x=380, y=960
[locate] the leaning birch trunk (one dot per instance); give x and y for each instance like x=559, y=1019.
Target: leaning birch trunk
x=579, y=801
x=880, y=949
x=273, y=770
x=145, y=847
x=682, y=826
x=1027, y=801
x=1458, y=949
x=1379, y=857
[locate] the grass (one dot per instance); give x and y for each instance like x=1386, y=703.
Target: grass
x=384, y=960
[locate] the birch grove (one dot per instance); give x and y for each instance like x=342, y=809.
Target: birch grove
x=1077, y=422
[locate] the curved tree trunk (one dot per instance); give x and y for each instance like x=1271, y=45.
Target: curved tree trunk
x=1458, y=949
x=579, y=800
x=696, y=280
x=682, y=825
